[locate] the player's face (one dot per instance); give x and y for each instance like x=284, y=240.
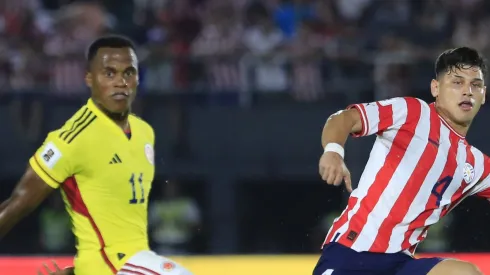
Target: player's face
x=113, y=78
x=459, y=94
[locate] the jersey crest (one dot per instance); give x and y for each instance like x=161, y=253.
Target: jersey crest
x=468, y=173
x=168, y=266
x=150, y=154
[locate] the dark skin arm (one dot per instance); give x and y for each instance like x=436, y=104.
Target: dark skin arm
x=27, y=195
x=4, y=204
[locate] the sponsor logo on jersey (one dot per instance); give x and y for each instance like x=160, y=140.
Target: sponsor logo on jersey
x=468, y=173
x=50, y=155
x=352, y=235
x=150, y=154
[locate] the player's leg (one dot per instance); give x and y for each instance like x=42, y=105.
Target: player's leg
x=438, y=266
x=455, y=267
x=149, y=263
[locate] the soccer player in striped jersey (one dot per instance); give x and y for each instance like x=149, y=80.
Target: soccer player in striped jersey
x=102, y=160
x=420, y=168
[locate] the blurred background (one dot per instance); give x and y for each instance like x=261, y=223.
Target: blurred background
x=238, y=92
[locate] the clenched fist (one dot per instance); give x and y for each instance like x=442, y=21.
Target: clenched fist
x=334, y=171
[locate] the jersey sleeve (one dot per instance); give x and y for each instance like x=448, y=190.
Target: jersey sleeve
x=53, y=161
x=483, y=187
x=380, y=116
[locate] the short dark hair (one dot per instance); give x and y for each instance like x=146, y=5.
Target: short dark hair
x=458, y=58
x=108, y=41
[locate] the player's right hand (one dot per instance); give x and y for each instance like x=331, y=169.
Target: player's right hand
x=56, y=271
x=334, y=171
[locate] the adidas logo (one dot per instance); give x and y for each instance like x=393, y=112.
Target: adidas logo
x=115, y=159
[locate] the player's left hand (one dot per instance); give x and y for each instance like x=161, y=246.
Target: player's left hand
x=56, y=271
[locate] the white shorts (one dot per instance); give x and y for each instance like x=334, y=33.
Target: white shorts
x=149, y=263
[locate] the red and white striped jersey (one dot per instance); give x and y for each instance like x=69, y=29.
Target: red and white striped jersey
x=419, y=169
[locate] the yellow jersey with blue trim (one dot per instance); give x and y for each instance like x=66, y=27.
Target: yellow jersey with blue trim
x=105, y=179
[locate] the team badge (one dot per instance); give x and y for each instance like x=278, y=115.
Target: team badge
x=150, y=154
x=168, y=266
x=468, y=173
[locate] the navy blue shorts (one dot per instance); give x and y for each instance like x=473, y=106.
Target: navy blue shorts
x=337, y=259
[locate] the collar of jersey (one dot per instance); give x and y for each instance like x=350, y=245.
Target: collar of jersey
x=433, y=107
x=92, y=107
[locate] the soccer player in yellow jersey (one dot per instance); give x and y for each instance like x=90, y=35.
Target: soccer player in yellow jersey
x=102, y=159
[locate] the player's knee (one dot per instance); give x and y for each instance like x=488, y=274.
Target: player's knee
x=454, y=267
x=472, y=269
x=468, y=269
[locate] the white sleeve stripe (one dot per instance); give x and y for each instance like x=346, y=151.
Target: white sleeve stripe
x=364, y=120
x=399, y=110
x=136, y=271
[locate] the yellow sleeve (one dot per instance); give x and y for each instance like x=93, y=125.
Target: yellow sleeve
x=53, y=161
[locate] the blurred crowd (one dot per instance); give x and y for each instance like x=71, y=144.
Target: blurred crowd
x=308, y=48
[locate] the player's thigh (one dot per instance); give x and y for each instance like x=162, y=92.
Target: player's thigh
x=455, y=267
x=149, y=263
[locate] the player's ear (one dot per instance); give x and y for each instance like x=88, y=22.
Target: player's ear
x=484, y=95
x=88, y=79
x=434, y=88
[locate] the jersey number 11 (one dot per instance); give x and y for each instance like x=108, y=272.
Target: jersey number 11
x=134, y=200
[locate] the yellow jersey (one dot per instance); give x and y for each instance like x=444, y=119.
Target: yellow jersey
x=105, y=178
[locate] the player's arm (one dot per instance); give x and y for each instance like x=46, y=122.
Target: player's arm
x=4, y=204
x=365, y=119
x=27, y=195
x=482, y=189
x=332, y=168
x=340, y=125
x=48, y=168
x=359, y=120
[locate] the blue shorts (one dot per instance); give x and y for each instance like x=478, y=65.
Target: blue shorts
x=340, y=260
